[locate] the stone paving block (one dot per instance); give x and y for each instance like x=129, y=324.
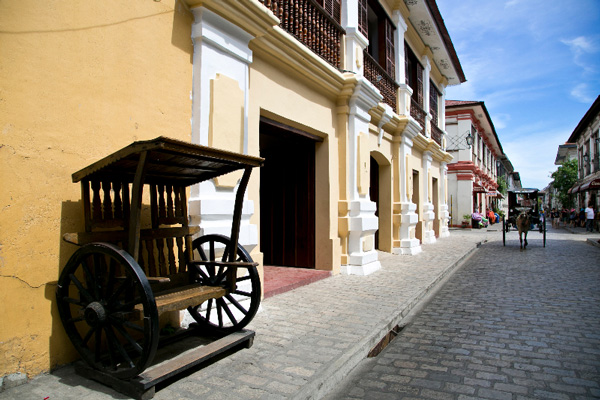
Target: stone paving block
x=494, y=394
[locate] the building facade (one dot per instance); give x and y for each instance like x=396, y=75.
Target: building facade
x=343, y=98
x=587, y=138
x=478, y=155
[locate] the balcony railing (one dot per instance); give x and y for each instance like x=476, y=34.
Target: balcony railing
x=417, y=112
x=436, y=133
x=310, y=24
x=382, y=81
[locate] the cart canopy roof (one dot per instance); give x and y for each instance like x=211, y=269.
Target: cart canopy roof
x=525, y=190
x=168, y=161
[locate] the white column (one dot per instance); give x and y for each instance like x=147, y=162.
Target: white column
x=362, y=255
x=404, y=91
x=356, y=42
x=428, y=211
x=220, y=47
x=409, y=244
x=443, y=204
x=426, y=78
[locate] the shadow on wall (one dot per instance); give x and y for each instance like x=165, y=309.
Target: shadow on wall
x=181, y=36
x=61, y=351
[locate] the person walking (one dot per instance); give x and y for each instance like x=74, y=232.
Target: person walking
x=589, y=218
x=555, y=218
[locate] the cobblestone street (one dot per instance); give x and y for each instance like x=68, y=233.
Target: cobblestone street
x=509, y=324
x=506, y=325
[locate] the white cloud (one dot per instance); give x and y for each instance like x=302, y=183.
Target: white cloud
x=582, y=93
x=579, y=45
x=500, y=121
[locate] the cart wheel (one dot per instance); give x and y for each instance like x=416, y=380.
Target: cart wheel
x=503, y=232
x=108, y=310
x=234, y=311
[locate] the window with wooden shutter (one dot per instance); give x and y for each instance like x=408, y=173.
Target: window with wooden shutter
x=363, y=24
x=419, y=88
x=333, y=8
x=390, y=61
x=433, y=103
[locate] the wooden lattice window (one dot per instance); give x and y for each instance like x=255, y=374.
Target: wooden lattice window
x=414, y=74
x=363, y=25
x=333, y=8
x=434, y=96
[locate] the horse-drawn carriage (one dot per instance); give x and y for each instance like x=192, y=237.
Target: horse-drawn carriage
x=526, y=202
x=138, y=262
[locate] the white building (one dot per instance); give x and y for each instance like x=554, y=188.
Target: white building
x=473, y=173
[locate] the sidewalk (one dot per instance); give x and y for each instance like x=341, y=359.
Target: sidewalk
x=307, y=340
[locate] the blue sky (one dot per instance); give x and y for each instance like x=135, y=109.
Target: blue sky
x=535, y=64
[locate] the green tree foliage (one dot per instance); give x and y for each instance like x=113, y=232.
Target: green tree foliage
x=502, y=186
x=564, y=178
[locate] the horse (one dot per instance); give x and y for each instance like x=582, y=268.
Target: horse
x=523, y=225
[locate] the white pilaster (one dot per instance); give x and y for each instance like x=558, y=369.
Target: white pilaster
x=356, y=42
x=404, y=91
x=427, y=213
x=362, y=255
x=409, y=244
x=443, y=204
x=426, y=83
x=220, y=47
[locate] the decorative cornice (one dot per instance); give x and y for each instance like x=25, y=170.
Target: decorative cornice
x=250, y=15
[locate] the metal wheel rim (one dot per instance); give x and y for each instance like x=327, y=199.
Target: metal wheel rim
x=97, y=310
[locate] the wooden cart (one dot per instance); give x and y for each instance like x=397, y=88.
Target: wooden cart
x=528, y=200
x=132, y=267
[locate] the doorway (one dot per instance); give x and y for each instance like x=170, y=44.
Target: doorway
x=416, y=199
x=435, y=199
x=374, y=193
x=287, y=196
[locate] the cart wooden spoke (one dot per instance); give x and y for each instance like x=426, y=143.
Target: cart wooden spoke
x=237, y=308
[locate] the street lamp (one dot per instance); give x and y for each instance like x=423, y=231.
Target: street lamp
x=469, y=139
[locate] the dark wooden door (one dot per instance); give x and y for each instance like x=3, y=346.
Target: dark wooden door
x=287, y=198
x=374, y=193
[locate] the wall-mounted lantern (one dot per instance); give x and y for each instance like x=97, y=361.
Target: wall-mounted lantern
x=469, y=139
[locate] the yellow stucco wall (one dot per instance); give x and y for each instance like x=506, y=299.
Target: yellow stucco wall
x=78, y=81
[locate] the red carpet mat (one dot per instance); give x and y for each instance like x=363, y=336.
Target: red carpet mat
x=282, y=279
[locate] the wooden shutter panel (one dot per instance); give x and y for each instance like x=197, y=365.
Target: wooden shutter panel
x=406, y=64
x=362, y=18
x=333, y=8
x=419, y=84
x=390, y=60
x=433, y=103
